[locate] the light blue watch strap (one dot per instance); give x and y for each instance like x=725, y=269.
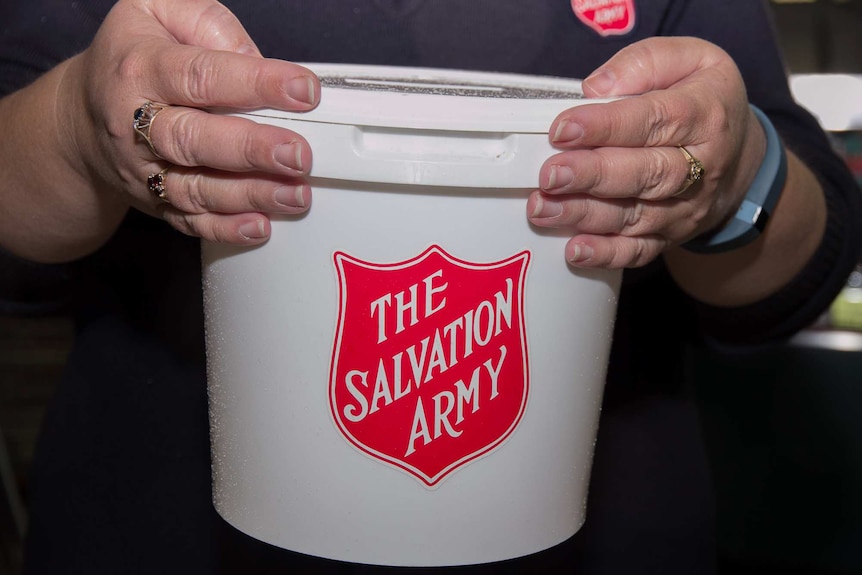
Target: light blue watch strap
x=752, y=216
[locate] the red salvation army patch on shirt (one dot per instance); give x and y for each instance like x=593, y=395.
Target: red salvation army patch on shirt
x=429, y=366
x=607, y=17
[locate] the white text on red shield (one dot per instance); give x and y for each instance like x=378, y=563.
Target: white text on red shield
x=408, y=370
x=429, y=367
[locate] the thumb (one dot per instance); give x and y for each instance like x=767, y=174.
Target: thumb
x=651, y=64
x=203, y=23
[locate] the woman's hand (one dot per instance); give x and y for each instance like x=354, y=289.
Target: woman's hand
x=620, y=184
x=224, y=173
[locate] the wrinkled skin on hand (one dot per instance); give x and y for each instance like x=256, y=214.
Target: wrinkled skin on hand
x=225, y=173
x=616, y=183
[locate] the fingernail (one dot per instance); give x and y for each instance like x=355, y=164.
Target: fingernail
x=558, y=177
x=581, y=253
x=544, y=209
x=568, y=131
x=601, y=82
x=301, y=89
x=291, y=196
x=252, y=230
x=289, y=155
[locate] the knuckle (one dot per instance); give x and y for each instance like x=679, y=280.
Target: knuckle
x=629, y=252
x=116, y=129
x=634, y=217
x=184, y=132
x=655, y=175
x=267, y=86
x=576, y=212
x=131, y=67
x=257, y=201
x=616, y=254
x=601, y=167
x=189, y=225
x=197, y=199
x=637, y=253
x=699, y=213
x=253, y=149
x=653, y=247
x=199, y=76
x=637, y=256
x=657, y=123
x=718, y=120
x=181, y=222
x=220, y=231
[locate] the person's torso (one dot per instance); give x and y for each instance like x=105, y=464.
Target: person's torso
x=548, y=37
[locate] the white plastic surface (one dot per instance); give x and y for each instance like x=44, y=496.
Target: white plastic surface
x=283, y=472
x=415, y=126
x=430, y=99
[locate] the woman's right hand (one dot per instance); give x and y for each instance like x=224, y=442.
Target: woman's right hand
x=225, y=173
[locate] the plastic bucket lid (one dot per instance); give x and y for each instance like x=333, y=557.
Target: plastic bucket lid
x=424, y=126
x=432, y=99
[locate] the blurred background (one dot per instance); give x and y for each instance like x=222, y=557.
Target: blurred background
x=783, y=425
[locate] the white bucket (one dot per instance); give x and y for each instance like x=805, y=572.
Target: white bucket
x=409, y=374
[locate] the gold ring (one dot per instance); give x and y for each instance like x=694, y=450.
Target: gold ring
x=143, y=120
x=695, y=170
x=156, y=184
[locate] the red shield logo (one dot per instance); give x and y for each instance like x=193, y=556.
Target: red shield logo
x=429, y=365
x=607, y=17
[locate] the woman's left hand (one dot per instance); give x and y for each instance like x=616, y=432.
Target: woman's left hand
x=620, y=185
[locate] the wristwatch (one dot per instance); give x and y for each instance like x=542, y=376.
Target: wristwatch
x=754, y=213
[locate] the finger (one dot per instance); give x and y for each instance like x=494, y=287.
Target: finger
x=189, y=137
x=197, y=53
x=681, y=81
x=202, y=78
x=613, y=252
x=665, y=118
x=203, y=23
x=673, y=218
x=238, y=229
x=644, y=173
x=652, y=64
x=197, y=191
